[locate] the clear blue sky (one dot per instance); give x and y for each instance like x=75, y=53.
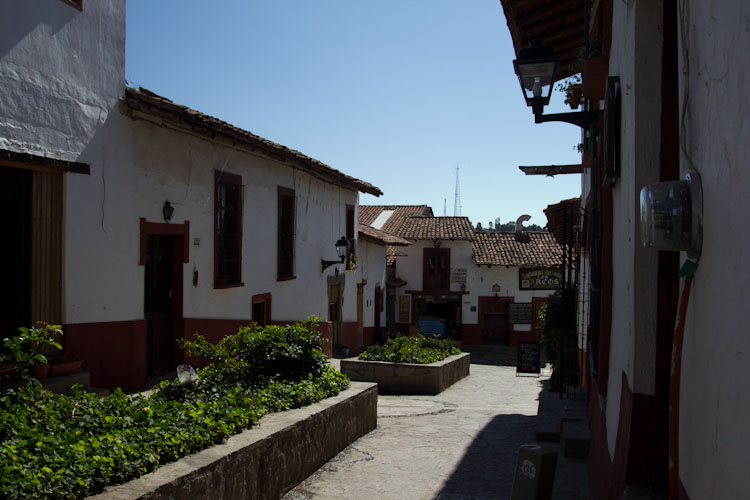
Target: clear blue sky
x=394, y=92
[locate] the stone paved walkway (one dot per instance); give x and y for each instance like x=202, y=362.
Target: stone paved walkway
x=460, y=444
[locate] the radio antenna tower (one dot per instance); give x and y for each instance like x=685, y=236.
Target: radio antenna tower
x=457, y=200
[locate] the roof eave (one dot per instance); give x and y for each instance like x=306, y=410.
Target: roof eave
x=181, y=116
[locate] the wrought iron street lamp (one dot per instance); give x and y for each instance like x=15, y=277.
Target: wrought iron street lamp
x=342, y=249
x=536, y=68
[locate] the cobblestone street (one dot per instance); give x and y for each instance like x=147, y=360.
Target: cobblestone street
x=460, y=444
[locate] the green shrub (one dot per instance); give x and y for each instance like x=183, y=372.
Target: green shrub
x=25, y=349
x=411, y=349
x=66, y=447
x=551, y=318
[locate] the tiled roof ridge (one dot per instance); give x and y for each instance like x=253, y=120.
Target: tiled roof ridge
x=150, y=98
x=527, y=249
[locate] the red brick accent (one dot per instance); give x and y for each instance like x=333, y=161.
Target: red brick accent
x=515, y=337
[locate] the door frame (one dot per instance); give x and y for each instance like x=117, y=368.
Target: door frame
x=180, y=234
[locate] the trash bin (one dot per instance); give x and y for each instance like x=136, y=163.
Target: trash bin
x=535, y=473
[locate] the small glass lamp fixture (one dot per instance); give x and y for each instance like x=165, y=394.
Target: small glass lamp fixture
x=342, y=249
x=536, y=68
x=167, y=210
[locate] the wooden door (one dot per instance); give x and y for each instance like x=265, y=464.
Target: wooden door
x=334, y=313
x=360, y=314
x=378, y=308
x=159, y=302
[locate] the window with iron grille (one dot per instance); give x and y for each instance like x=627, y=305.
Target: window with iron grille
x=227, y=230
x=286, y=215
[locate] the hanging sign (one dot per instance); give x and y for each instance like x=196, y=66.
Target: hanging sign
x=539, y=278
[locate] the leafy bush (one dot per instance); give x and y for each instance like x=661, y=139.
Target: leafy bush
x=411, y=349
x=551, y=318
x=55, y=446
x=25, y=349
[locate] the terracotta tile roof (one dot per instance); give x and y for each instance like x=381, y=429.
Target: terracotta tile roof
x=528, y=249
x=557, y=218
x=391, y=252
x=437, y=228
x=376, y=235
x=368, y=214
x=145, y=101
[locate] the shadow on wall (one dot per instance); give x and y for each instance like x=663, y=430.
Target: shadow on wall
x=14, y=28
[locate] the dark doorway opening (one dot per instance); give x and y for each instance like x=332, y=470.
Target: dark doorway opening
x=159, y=304
x=449, y=311
x=15, y=276
x=259, y=313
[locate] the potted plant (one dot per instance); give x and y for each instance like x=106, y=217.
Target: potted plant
x=573, y=90
x=25, y=349
x=351, y=263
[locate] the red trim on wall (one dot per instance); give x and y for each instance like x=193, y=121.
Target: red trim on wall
x=350, y=335
x=147, y=228
x=113, y=352
x=622, y=444
x=600, y=463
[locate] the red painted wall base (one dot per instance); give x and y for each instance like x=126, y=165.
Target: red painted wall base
x=113, y=352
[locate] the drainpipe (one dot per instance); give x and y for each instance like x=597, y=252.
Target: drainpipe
x=687, y=272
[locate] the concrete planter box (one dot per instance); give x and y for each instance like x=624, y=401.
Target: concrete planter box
x=409, y=378
x=266, y=461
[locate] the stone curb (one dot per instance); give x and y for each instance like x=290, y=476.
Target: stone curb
x=265, y=461
x=409, y=378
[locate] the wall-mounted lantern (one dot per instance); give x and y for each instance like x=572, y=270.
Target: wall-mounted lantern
x=536, y=68
x=342, y=249
x=167, y=211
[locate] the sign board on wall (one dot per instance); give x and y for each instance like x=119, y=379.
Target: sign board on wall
x=458, y=275
x=404, y=315
x=520, y=312
x=539, y=278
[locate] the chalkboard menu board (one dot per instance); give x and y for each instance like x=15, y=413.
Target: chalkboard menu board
x=528, y=357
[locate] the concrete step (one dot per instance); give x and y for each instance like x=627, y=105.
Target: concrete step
x=64, y=383
x=575, y=437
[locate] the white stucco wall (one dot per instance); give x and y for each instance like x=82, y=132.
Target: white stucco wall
x=170, y=165
x=371, y=267
x=61, y=73
x=479, y=279
x=636, y=58
x=715, y=402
